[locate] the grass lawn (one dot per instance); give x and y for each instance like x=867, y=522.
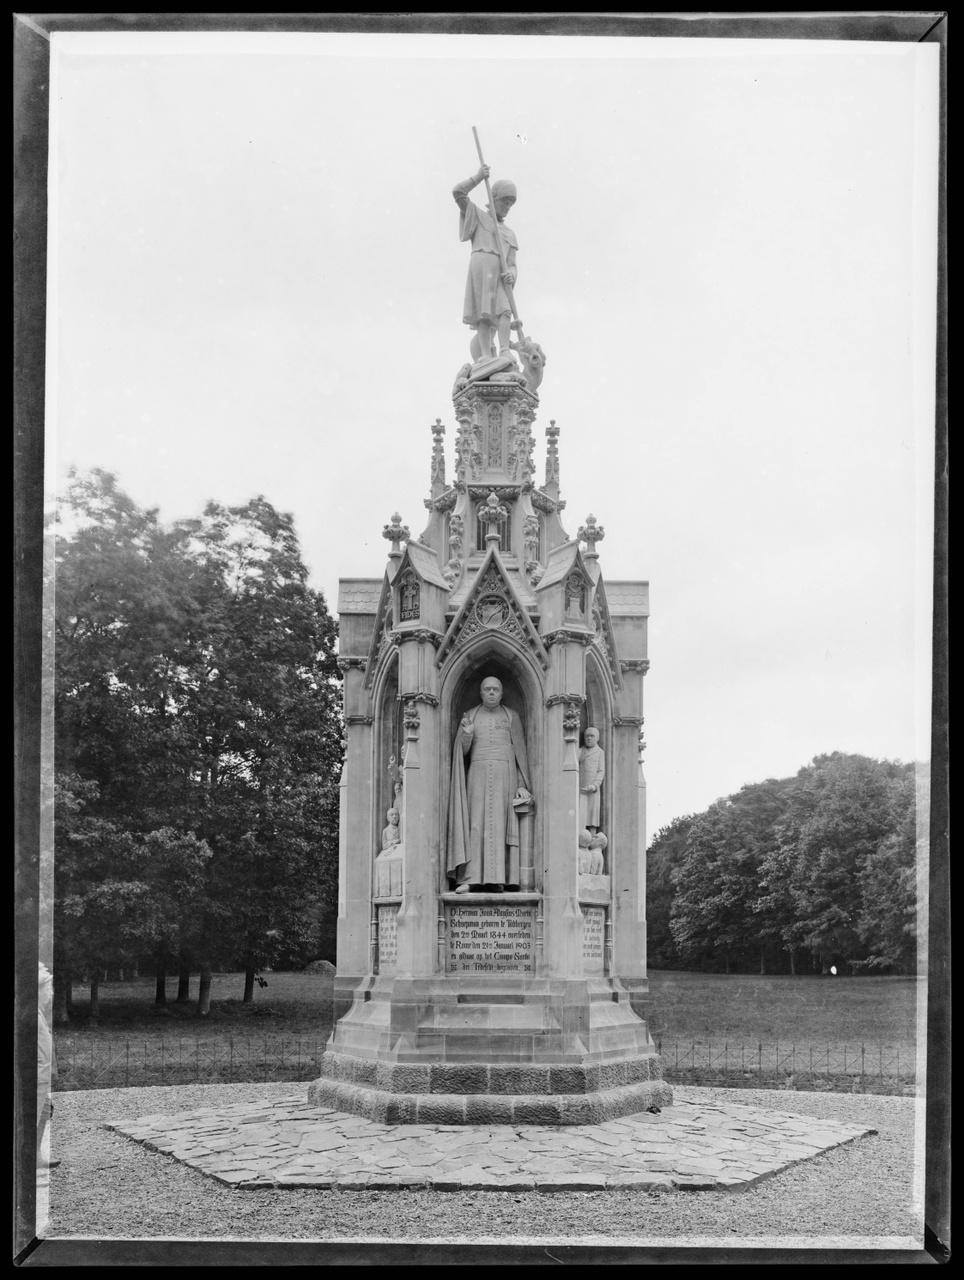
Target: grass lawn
x=292, y=1004
x=683, y=1006
x=710, y=1028
x=818, y=1010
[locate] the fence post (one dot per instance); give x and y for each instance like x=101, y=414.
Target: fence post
x=863, y=1084
x=759, y=1062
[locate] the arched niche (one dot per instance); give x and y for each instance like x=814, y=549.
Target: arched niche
x=523, y=692
x=598, y=711
x=388, y=740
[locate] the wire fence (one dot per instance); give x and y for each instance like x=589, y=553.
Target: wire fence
x=119, y=1064
x=116, y=1064
x=838, y=1068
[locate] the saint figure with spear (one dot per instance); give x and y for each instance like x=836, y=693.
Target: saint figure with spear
x=489, y=304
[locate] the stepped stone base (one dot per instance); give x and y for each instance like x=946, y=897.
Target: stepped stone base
x=484, y=1093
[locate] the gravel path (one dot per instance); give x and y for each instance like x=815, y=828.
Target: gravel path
x=110, y=1187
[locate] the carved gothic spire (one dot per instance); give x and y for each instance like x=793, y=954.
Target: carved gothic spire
x=438, y=459
x=551, y=486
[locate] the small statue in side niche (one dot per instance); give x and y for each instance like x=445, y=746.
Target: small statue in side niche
x=391, y=835
x=597, y=863
x=592, y=770
x=591, y=845
x=389, y=863
x=395, y=773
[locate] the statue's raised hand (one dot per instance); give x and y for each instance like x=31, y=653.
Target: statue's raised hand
x=483, y=173
x=466, y=728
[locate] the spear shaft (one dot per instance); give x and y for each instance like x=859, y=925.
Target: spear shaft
x=498, y=236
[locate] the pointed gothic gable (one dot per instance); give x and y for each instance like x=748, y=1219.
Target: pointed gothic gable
x=492, y=606
x=380, y=636
x=568, y=574
x=603, y=638
x=558, y=563
x=424, y=561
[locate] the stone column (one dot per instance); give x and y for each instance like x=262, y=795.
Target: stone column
x=420, y=801
x=355, y=857
x=563, y=917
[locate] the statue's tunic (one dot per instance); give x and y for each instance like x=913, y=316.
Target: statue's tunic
x=483, y=846
x=592, y=767
x=485, y=295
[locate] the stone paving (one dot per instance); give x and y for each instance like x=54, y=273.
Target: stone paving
x=290, y=1143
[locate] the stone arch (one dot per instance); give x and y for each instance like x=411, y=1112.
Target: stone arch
x=387, y=739
x=523, y=692
x=598, y=711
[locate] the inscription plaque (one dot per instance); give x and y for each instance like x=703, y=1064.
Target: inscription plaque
x=387, y=937
x=593, y=932
x=490, y=939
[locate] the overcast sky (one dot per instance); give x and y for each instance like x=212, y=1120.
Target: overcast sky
x=727, y=251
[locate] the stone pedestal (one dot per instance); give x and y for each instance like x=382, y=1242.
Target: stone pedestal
x=520, y=1006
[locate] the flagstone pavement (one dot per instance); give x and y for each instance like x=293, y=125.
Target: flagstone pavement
x=289, y=1143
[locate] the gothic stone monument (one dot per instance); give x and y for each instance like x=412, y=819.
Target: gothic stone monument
x=491, y=937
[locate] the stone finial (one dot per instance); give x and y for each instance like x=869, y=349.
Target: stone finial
x=438, y=454
x=396, y=533
x=492, y=512
x=591, y=533
x=552, y=459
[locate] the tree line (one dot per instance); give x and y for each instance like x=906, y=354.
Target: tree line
x=197, y=744
x=797, y=875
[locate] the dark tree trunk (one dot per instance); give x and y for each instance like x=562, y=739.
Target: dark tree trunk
x=793, y=963
x=95, y=999
x=248, y=986
x=160, y=986
x=61, y=998
x=727, y=958
x=183, y=985
x=763, y=963
x=204, y=992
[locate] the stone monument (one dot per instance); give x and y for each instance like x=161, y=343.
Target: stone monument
x=492, y=937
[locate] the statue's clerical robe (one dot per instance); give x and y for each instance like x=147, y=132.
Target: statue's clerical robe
x=483, y=828
x=592, y=768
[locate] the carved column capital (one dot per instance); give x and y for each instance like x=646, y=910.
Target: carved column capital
x=565, y=699
x=640, y=665
x=352, y=664
x=564, y=636
x=429, y=699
